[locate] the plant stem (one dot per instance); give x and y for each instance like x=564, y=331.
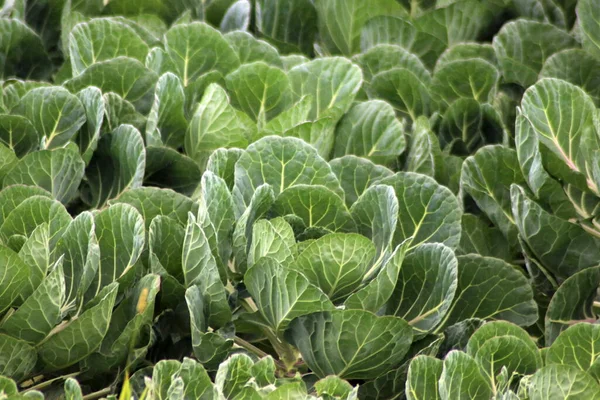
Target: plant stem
x=250, y=347
x=49, y=382
x=98, y=394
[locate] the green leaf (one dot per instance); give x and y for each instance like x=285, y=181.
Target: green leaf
x=15, y=89
x=59, y=171
x=562, y=248
x=577, y=67
x=562, y=382
x=523, y=46
x=429, y=212
x=166, y=119
x=588, y=17
x=474, y=78
x=274, y=239
x=385, y=57
x=376, y=216
x=78, y=247
x=41, y=311
x=341, y=22
x=18, y=360
x=73, y=390
x=94, y=106
x=103, y=39
x=291, y=25
x=82, y=336
x=356, y=175
x=120, y=232
x=23, y=52
x=12, y=196
x=125, y=76
x=15, y=275
x=151, y=202
x=35, y=253
x=572, y=303
x=567, y=132
x=387, y=29
x=31, y=213
x=282, y=163
x=260, y=90
x=336, y=263
x=333, y=386
x=370, y=130
x=332, y=82
x=168, y=168
x=576, y=346
x=249, y=49
x=8, y=160
x=479, y=237
x=426, y=287
x=196, y=48
x=377, y=292
x=233, y=377
x=316, y=205
x=282, y=294
x=200, y=268
x=424, y=154
x=423, y=375
x=215, y=124
x=119, y=111
x=487, y=177
x=55, y=113
x=405, y=88
x=18, y=133
x=467, y=51
x=489, y=288
x=352, y=344
x=124, y=154
x=461, y=379
x=237, y=17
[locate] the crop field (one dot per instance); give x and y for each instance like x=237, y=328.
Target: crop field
x=299, y=199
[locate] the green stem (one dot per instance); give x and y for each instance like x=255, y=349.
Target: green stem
x=98, y=394
x=49, y=382
x=250, y=347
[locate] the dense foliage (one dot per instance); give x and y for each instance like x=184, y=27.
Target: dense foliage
x=299, y=199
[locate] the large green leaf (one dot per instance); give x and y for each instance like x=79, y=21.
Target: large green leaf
x=523, y=46
x=572, y=303
x=561, y=247
x=93, y=103
x=282, y=294
x=422, y=381
x=249, y=49
x=282, y=163
x=426, y=286
x=196, y=49
x=289, y=24
x=487, y=177
x=237, y=17
x=41, y=311
x=80, y=337
x=18, y=133
x=473, y=78
x=59, y=171
x=120, y=232
x=370, y=130
x=215, y=124
x=316, y=205
x=23, y=52
x=260, y=90
x=568, y=132
x=14, y=275
x=17, y=361
x=428, y=212
x=166, y=120
x=356, y=174
x=168, y=168
x=125, y=76
x=78, y=247
x=55, y=113
x=274, y=239
x=563, y=382
x=12, y=196
x=479, y=237
x=577, y=346
x=117, y=165
x=332, y=82
x=8, y=160
x=588, y=17
x=424, y=154
x=352, y=344
x=341, y=21
x=385, y=57
x=387, y=29
x=336, y=263
x=102, y=39
x=461, y=379
x=35, y=253
x=490, y=288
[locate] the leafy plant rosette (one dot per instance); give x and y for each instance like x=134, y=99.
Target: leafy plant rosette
x=328, y=199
